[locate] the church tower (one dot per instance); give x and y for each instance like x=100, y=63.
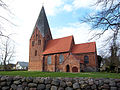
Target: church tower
x=39, y=38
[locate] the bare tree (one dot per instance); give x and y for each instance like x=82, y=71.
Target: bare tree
x=2, y=18
x=7, y=52
x=107, y=19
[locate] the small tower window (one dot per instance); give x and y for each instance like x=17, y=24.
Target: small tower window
x=33, y=42
x=49, y=60
x=35, y=52
x=39, y=42
x=48, y=37
x=86, y=59
x=36, y=36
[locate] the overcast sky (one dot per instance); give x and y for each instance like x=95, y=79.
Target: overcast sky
x=63, y=17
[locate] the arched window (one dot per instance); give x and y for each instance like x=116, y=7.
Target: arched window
x=86, y=59
x=49, y=60
x=35, y=52
x=33, y=42
x=74, y=69
x=36, y=35
x=67, y=68
x=61, y=59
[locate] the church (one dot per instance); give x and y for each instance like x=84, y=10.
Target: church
x=59, y=55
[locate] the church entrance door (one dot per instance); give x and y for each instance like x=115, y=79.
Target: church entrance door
x=67, y=68
x=74, y=69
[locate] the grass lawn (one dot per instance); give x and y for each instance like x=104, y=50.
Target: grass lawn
x=60, y=74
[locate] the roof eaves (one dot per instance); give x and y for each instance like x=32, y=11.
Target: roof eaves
x=83, y=52
x=55, y=53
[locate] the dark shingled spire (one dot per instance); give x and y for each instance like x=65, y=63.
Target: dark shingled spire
x=42, y=23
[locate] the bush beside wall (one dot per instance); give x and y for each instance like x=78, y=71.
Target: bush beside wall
x=40, y=83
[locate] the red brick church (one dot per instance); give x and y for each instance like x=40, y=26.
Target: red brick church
x=59, y=55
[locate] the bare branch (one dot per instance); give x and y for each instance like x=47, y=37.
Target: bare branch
x=7, y=20
x=7, y=51
x=5, y=6
x=4, y=19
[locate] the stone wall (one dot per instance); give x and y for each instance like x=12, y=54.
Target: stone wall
x=38, y=83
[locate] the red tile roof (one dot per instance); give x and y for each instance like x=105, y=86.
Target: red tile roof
x=58, y=45
x=84, y=48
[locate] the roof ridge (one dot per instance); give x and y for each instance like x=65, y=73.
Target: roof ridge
x=62, y=37
x=84, y=48
x=58, y=45
x=86, y=43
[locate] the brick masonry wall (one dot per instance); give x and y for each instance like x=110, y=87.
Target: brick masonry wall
x=47, y=83
x=71, y=61
x=92, y=57
x=55, y=62
x=35, y=62
x=92, y=61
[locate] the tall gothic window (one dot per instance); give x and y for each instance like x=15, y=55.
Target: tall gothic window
x=39, y=42
x=86, y=59
x=36, y=36
x=35, y=52
x=49, y=60
x=33, y=42
x=61, y=59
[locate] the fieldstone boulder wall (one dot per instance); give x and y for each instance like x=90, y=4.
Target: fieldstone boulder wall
x=47, y=83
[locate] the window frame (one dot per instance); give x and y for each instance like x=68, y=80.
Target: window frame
x=33, y=43
x=35, y=52
x=39, y=42
x=49, y=60
x=61, y=58
x=86, y=59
